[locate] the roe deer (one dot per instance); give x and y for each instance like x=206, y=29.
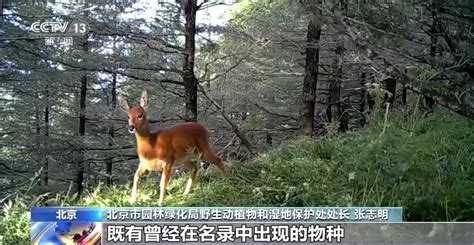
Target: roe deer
x=168, y=146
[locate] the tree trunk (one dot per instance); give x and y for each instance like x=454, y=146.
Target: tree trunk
x=390, y=85
x=111, y=127
x=434, y=32
x=189, y=79
x=79, y=176
x=363, y=99
x=45, y=172
x=334, y=109
x=370, y=97
x=311, y=74
x=404, y=89
x=270, y=121
x=269, y=138
x=1, y=15
x=344, y=118
x=112, y=107
x=38, y=139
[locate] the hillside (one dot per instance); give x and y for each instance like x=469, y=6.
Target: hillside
x=424, y=165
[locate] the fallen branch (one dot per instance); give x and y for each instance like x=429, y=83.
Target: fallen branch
x=450, y=102
x=233, y=126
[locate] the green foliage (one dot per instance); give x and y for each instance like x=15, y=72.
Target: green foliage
x=422, y=72
x=265, y=16
x=15, y=222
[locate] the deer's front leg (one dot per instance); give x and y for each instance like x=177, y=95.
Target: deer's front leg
x=165, y=178
x=136, y=177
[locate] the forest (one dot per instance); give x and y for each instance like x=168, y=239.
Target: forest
x=308, y=102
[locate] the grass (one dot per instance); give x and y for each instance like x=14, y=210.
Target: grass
x=423, y=163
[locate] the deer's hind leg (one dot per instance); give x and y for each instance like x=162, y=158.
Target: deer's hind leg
x=189, y=162
x=193, y=168
x=165, y=178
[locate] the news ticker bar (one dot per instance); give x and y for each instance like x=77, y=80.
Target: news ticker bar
x=252, y=233
x=217, y=214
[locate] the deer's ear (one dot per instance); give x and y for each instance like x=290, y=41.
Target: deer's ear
x=144, y=100
x=122, y=103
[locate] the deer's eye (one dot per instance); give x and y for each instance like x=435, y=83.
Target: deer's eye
x=128, y=117
x=140, y=116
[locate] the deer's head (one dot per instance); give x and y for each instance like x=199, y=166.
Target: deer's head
x=136, y=114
